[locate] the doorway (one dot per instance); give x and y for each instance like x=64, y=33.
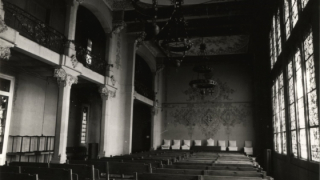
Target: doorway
x=141, y=129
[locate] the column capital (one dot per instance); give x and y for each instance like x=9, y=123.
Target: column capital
x=140, y=38
x=117, y=26
x=64, y=78
x=5, y=53
x=106, y=93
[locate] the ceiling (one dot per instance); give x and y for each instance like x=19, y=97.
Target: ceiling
x=225, y=26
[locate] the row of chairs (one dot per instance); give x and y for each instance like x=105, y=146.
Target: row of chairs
x=248, y=149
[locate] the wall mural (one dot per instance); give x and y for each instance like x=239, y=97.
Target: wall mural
x=209, y=117
x=220, y=92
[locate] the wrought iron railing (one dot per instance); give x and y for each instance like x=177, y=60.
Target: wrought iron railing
x=143, y=90
x=93, y=61
x=33, y=28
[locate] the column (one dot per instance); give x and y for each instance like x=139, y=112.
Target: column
x=129, y=91
x=65, y=79
x=105, y=95
x=70, y=27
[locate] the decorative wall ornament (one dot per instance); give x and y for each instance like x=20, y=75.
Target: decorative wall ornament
x=118, y=52
x=74, y=61
x=5, y=53
x=236, y=44
x=63, y=78
x=3, y=26
x=118, y=26
x=113, y=80
x=209, y=117
x=106, y=93
x=140, y=38
x=219, y=92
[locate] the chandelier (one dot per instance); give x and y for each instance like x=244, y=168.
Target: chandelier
x=203, y=82
x=176, y=40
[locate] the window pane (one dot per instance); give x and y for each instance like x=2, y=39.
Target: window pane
x=292, y=117
x=274, y=37
x=291, y=91
x=278, y=33
x=315, y=145
x=294, y=143
x=279, y=142
x=284, y=143
x=301, y=113
x=4, y=100
x=311, y=81
x=297, y=60
x=290, y=73
x=313, y=108
x=294, y=13
x=308, y=46
x=5, y=85
x=303, y=144
x=299, y=84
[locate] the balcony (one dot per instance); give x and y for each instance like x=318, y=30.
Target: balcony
x=91, y=60
x=143, y=90
x=33, y=28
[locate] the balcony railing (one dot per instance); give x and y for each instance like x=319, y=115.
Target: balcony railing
x=33, y=28
x=143, y=90
x=93, y=61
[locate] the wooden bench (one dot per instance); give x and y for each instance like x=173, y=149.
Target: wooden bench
x=50, y=173
x=148, y=176
x=208, y=172
x=116, y=169
x=203, y=167
x=29, y=164
x=17, y=176
x=10, y=169
x=82, y=170
x=154, y=176
x=99, y=166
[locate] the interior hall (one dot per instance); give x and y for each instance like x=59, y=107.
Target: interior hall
x=160, y=89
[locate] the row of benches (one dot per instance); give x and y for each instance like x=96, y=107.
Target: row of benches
x=150, y=166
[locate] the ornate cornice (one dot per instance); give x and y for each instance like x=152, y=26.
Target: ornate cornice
x=106, y=93
x=65, y=79
x=140, y=38
x=5, y=53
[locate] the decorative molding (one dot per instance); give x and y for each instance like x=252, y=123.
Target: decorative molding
x=74, y=61
x=106, y=93
x=140, y=38
x=3, y=26
x=65, y=79
x=5, y=53
x=209, y=117
x=113, y=80
x=118, y=52
x=118, y=26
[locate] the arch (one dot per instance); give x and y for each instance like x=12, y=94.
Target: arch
x=102, y=13
x=148, y=58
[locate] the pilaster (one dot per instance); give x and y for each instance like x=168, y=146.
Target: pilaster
x=66, y=78
x=105, y=93
x=70, y=27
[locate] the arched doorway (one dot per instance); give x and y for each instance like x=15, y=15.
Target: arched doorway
x=142, y=117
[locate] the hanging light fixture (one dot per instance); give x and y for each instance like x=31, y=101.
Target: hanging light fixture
x=203, y=81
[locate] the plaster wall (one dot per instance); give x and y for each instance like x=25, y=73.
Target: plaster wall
x=224, y=114
x=34, y=107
